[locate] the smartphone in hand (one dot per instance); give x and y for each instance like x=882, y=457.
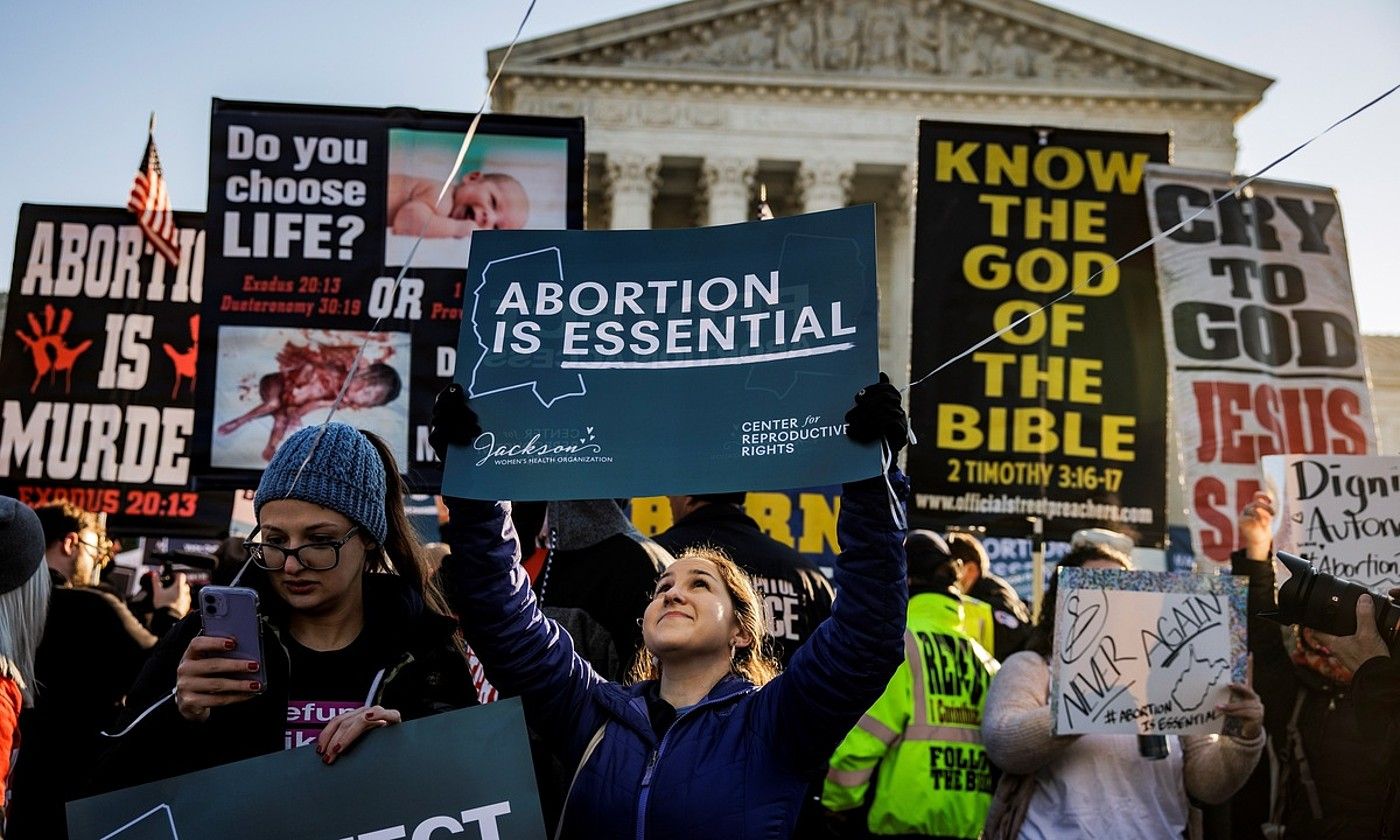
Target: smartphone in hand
x=231, y=612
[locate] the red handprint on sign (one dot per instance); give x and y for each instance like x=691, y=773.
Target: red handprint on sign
x=51, y=352
x=185, y=360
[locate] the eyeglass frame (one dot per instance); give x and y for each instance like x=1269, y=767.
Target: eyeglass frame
x=289, y=551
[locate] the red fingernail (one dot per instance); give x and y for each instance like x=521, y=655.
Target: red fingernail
x=335, y=750
x=318, y=749
x=255, y=686
x=369, y=715
x=252, y=666
x=229, y=644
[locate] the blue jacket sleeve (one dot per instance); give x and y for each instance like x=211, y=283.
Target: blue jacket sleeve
x=844, y=667
x=525, y=654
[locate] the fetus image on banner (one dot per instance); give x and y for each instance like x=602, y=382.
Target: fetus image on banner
x=308, y=378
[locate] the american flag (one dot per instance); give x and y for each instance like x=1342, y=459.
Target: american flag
x=151, y=203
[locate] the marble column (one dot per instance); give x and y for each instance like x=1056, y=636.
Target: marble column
x=896, y=212
x=825, y=184
x=725, y=183
x=631, y=183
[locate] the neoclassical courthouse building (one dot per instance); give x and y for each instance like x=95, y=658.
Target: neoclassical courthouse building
x=691, y=107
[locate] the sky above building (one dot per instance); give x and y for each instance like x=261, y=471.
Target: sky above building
x=80, y=79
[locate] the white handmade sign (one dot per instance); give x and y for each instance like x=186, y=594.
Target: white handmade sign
x=1341, y=513
x=1262, y=337
x=1145, y=652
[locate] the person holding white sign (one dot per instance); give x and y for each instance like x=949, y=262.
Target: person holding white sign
x=1099, y=785
x=1325, y=777
x=1376, y=687
x=709, y=743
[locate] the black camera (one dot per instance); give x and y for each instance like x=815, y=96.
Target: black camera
x=1324, y=602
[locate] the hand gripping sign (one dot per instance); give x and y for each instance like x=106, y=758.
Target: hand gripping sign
x=622, y=363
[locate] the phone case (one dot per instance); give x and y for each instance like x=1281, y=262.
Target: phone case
x=231, y=612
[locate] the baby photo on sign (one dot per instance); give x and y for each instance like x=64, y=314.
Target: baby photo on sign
x=504, y=183
x=271, y=381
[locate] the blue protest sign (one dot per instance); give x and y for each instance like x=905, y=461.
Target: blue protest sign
x=464, y=772
x=626, y=363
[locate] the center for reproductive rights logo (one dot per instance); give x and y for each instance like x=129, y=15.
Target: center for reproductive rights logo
x=535, y=330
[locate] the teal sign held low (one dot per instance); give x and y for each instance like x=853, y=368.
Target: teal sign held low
x=464, y=773
x=627, y=363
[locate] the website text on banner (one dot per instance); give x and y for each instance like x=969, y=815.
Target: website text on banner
x=633, y=363
x=419, y=779
x=97, y=401
x=1150, y=653
x=313, y=214
x=1061, y=417
x=1262, y=337
x=1340, y=513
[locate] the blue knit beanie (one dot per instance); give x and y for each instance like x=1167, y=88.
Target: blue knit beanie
x=344, y=474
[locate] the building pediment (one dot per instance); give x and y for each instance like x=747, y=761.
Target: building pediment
x=933, y=44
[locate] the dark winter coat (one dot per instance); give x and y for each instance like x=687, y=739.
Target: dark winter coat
x=430, y=676
x=610, y=581
x=736, y=764
x=1376, y=687
x=1344, y=760
x=1012, y=621
x=92, y=650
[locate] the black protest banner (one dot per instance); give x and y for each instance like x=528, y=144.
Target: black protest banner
x=313, y=213
x=465, y=772
x=97, y=382
x=1061, y=417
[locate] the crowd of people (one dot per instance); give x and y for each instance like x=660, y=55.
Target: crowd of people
x=708, y=682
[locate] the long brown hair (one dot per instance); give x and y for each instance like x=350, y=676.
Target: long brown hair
x=1042, y=638
x=402, y=552
x=755, y=662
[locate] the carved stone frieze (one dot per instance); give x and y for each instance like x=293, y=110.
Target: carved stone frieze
x=882, y=38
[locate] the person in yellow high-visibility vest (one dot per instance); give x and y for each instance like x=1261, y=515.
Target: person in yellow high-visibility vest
x=921, y=742
x=978, y=622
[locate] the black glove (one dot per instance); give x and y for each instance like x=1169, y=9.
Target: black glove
x=878, y=413
x=453, y=421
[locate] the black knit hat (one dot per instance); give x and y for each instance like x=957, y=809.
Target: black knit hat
x=21, y=544
x=926, y=552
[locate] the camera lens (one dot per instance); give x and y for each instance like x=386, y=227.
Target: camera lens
x=209, y=608
x=1328, y=603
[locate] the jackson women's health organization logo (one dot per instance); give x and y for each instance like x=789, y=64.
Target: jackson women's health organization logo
x=544, y=446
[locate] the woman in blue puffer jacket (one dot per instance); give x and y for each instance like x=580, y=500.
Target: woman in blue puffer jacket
x=701, y=751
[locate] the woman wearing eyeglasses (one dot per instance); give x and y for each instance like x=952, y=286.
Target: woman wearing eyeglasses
x=354, y=632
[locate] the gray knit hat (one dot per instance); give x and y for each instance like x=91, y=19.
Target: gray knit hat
x=344, y=473
x=22, y=544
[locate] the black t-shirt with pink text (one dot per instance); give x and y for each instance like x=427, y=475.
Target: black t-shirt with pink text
x=325, y=684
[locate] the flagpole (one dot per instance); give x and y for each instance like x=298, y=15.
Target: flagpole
x=151, y=127
x=764, y=211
